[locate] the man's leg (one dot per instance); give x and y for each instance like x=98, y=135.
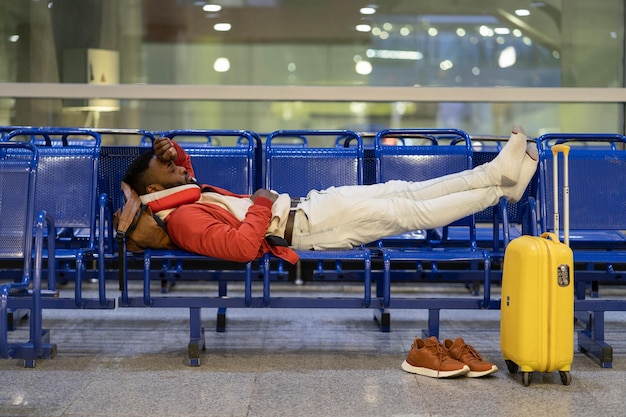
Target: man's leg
x=335, y=221
x=504, y=170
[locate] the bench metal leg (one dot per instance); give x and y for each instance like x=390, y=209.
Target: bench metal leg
x=383, y=318
x=196, y=336
x=221, y=312
x=591, y=339
x=433, y=324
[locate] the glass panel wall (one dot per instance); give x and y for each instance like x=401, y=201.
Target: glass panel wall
x=387, y=43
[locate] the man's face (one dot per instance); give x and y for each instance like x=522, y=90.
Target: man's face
x=164, y=175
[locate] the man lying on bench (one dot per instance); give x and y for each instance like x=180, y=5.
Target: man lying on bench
x=215, y=222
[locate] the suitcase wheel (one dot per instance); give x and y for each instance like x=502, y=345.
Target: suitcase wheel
x=566, y=377
x=513, y=368
x=527, y=378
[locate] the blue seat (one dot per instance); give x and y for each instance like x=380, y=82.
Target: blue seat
x=597, y=174
x=18, y=170
x=229, y=167
x=297, y=170
x=437, y=155
x=66, y=189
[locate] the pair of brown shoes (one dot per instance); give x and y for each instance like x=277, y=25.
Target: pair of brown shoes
x=443, y=360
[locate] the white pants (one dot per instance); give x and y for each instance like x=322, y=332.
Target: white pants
x=343, y=217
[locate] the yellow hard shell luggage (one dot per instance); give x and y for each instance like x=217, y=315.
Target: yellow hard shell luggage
x=537, y=305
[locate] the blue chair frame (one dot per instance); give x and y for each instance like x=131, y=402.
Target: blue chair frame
x=317, y=169
x=66, y=189
x=237, y=166
x=17, y=227
x=418, y=163
x=597, y=173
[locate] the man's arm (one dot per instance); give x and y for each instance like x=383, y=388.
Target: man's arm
x=168, y=150
x=212, y=231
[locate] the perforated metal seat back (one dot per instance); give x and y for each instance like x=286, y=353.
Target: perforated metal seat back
x=297, y=171
x=596, y=189
x=67, y=176
x=231, y=168
x=16, y=211
x=114, y=161
x=66, y=184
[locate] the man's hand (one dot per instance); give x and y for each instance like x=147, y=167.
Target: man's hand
x=264, y=193
x=164, y=150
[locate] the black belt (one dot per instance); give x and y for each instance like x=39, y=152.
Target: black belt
x=289, y=226
x=290, y=219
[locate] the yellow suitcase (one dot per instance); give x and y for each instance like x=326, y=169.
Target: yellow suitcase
x=537, y=305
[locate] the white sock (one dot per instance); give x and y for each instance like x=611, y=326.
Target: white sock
x=506, y=167
x=529, y=165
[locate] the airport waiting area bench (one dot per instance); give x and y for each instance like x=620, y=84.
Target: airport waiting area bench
x=74, y=182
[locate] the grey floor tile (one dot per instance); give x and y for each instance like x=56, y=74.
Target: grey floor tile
x=290, y=362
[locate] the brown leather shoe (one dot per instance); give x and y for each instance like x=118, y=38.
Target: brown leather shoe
x=429, y=358
x=466, y=354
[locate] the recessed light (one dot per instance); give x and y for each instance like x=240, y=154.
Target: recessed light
x=211, y=8
x=222, y=27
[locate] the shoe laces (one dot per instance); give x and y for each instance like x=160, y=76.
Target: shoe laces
x=469, y=349
x=442, y=355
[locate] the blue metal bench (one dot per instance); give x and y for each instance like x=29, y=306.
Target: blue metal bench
x=18, y=170
x=431, y=249
x=66, y=189
x=597, y=174
x=296, y=170
x=232, y=168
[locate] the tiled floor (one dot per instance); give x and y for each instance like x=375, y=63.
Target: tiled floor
x=287, y=362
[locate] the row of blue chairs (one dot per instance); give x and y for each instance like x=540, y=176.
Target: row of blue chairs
x=78, y=188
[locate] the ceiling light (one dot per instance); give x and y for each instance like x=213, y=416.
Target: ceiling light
x=221, y=65
x=507, y=57
x=446, y=65
x=363, y=67
x=363, y=28
x=211, y=8
x=14, y=38
x=367, y=10
x=394, y=54
x=222, y=27
x=485, y=31
x=502, y=31
x=522, y=12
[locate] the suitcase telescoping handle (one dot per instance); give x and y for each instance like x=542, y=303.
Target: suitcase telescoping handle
x=564, y=149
